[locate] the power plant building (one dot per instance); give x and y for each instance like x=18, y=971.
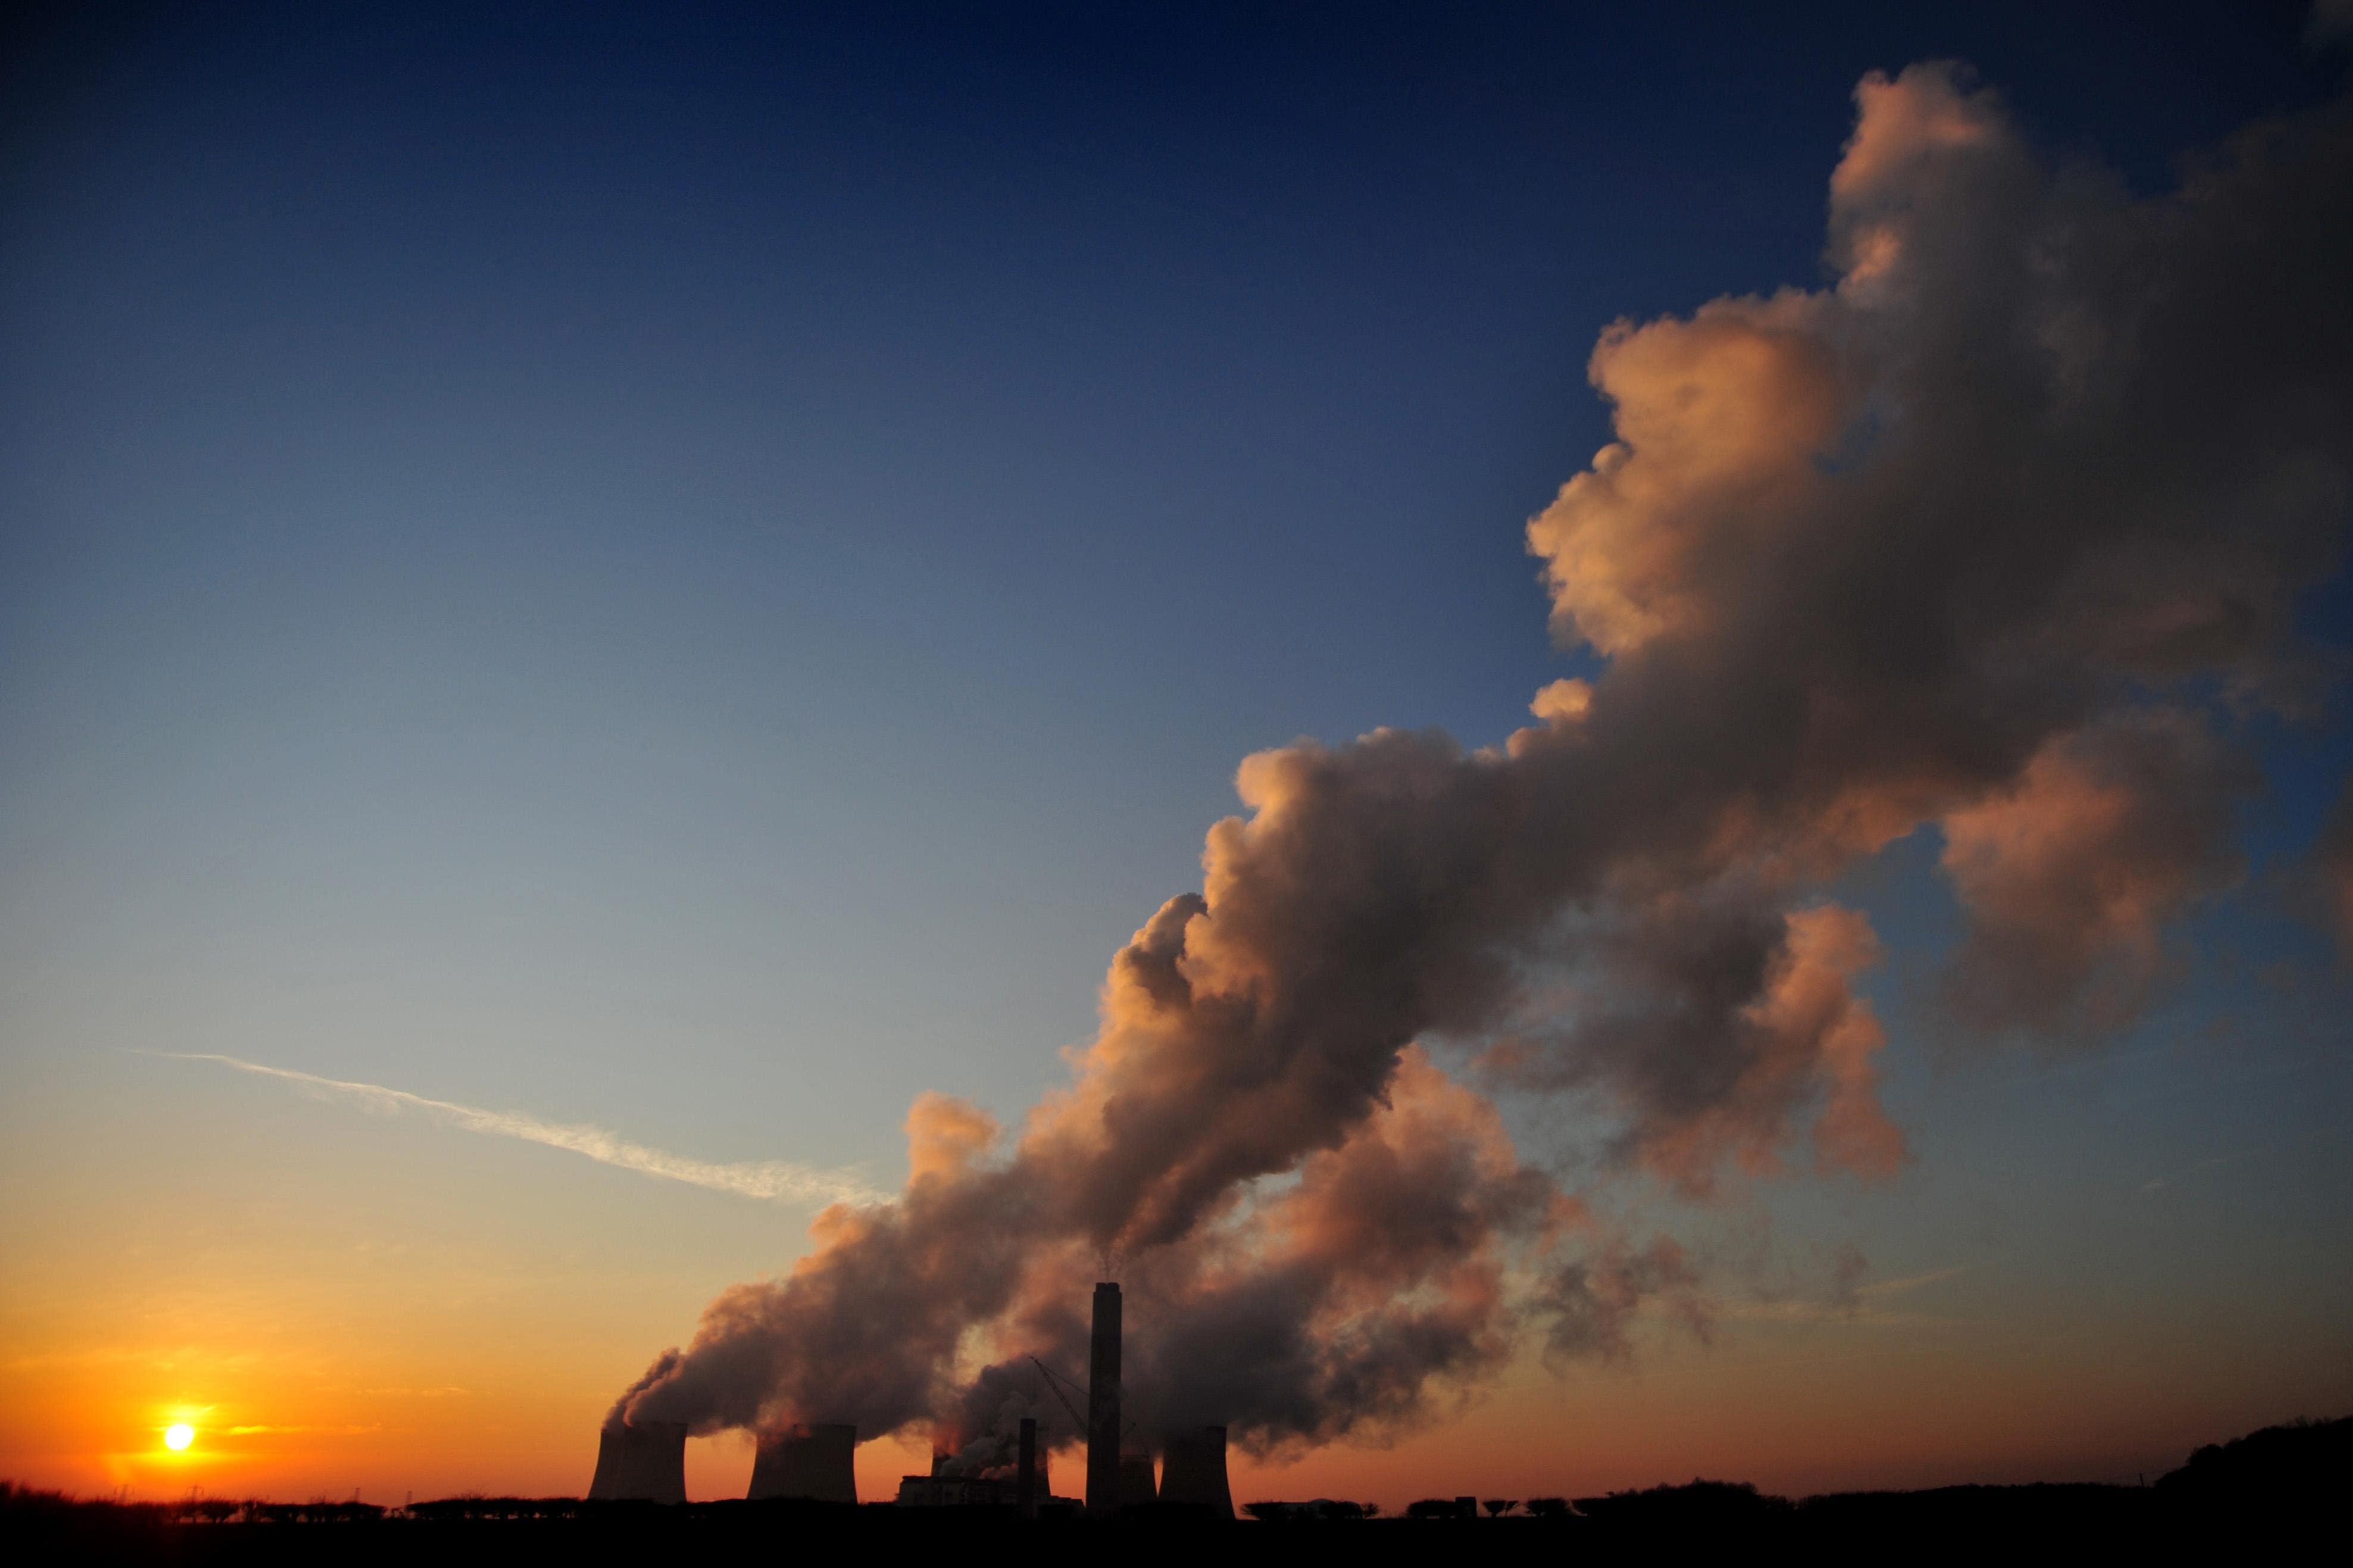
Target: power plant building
x=1027, y=1489
x=641, y=1462
x=646, y=1460
x=953, y=1491
x=815, y=1463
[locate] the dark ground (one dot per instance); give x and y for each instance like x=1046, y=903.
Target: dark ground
x=2279, y=1490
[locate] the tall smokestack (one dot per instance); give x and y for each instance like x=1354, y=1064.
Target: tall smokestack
x=813, y=1462
x=1102, y=1406
x=1193, y=1471
x=1026, y=1490
x=643, y=1461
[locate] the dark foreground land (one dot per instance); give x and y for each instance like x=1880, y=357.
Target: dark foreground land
x=2280, y=1491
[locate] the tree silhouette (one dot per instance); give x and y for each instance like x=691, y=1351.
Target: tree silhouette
x=1497, y=1507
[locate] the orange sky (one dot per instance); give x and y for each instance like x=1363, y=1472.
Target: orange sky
x=339, y=1301
x=1827, y=1407
x=317, y=1353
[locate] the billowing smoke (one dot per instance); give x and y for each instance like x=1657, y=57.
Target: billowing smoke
x=1992, y=534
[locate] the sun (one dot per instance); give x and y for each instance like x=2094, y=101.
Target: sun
x=178, y=1435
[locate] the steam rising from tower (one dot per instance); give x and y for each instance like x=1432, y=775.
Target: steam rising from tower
x=1965, y=542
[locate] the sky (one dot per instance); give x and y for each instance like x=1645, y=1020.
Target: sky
x=594, y=600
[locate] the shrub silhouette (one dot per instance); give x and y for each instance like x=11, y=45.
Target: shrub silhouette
x=2298, y=1467
x=1703, y=1505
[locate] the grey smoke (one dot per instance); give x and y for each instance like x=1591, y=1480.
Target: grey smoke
x=1965, y=541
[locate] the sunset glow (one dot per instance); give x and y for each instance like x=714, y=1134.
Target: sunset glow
x=178, y=1435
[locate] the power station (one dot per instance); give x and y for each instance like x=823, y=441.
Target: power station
x=646, y=1460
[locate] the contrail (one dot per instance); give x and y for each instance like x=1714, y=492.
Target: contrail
x=779, y=1180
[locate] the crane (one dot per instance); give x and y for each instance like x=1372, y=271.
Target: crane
x=1054, y=1386
x=1054, y=1382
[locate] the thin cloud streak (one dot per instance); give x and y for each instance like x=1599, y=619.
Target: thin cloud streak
x=1863, y=1309
x=2161, y=1183
x=1910, y=1283
x=325, y=1431
x=775, y=1181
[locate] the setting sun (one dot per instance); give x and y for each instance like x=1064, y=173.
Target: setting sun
x=178, y=1435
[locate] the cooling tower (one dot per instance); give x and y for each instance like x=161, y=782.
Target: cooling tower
x=1136, y=1488
x=1193, y=1471
x=641, y=1462
x=812, y=1462
x=1102, y=1406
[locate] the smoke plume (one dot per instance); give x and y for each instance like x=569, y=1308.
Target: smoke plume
x=1990, y=535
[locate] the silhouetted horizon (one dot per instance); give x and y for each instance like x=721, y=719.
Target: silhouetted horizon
x=2291, y=1465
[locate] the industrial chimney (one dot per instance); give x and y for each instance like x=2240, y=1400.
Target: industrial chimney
x=1193, y=1471
x=811, y=1462
x=644, y=1462
x=1102, y=1406
x=1025, y=1492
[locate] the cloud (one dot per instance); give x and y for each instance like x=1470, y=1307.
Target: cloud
x=775, y=1181
x=315, y=1431
x=1594, y=1300
x=2159, y=1184
x=1850, y=1301
x=2071, y=875
x=1955, y=540
x=1977, y=538
x=1334, y=1308
x=1724, y=1031
x=1910, y=1283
